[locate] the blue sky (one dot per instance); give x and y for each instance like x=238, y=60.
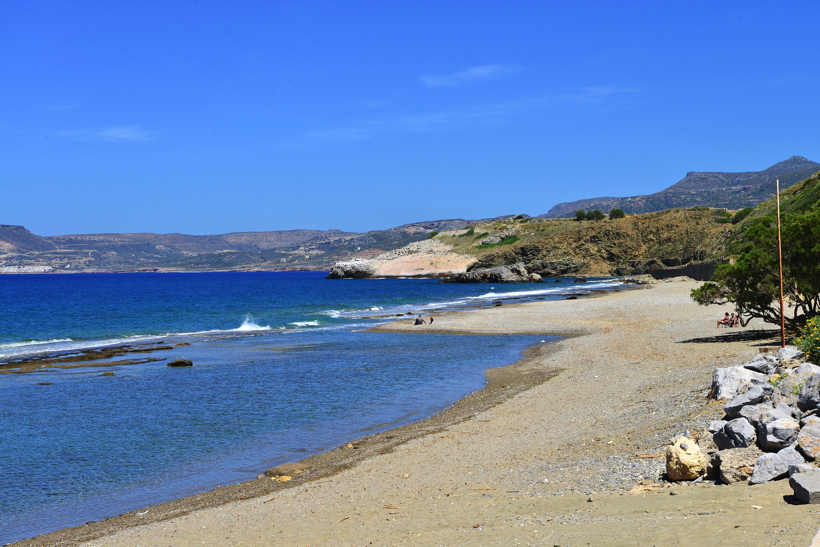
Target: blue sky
x=215, y=117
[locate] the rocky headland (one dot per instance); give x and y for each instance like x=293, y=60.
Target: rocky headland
x=427, y=258
x=521, y=249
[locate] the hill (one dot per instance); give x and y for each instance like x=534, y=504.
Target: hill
x=21, y=251
x=697, y=189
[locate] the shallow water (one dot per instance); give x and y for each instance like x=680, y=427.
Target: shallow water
x=299, y=378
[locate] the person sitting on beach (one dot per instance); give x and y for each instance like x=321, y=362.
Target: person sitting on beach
x=724, y=321
x=733, y=320
x=419, y=321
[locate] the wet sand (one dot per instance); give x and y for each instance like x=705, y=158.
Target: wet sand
x=562, y=448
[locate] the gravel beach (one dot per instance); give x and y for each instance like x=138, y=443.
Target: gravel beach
x=564, y=448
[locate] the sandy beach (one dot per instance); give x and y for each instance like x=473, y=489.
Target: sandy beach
x=564, y=447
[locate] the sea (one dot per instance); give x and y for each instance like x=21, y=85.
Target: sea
x=283, y=368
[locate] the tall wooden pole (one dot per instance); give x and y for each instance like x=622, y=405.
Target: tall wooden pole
x=780, y=264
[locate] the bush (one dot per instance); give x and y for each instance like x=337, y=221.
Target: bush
x=722, y=217
x=617, y=213
x=740, y=215
x=580, y=215
x=432, y=234
x=509, y=241
x=809, y=340
x=596, y=215
x=468, y=233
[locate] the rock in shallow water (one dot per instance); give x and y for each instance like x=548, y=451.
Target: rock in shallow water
x=181, y=363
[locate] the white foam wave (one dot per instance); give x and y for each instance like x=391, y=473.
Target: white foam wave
x=18, y=350
x=314, y=323
x=249, y=325
x=34, y=343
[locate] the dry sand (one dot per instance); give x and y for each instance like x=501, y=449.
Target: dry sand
x=570, y=456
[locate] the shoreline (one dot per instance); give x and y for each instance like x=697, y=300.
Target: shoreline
x=571, y=457
x=502, y=383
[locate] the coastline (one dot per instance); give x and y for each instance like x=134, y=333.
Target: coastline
x=572, y=403
x=501, y=383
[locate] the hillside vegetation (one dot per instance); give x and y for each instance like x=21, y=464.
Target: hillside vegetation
x=752, y=282
x=554, y=247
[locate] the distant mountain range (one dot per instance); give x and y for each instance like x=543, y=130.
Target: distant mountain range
x=726, y=190
x=21, y=250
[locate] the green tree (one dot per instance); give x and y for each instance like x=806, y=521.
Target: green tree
x=596, y=215
x=752, y=283
x=617, y=213
x=740, y=215
x=580, y=215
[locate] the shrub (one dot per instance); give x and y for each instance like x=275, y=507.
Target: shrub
x=596, y=215
x=809, y=340
x=468, y=233
x=617, y=213
x=580, y=215
x=432, y=234
x=723, y=217
x=509, y=241
x=740, y=215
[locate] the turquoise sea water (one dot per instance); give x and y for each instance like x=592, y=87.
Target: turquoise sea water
x=283, y=369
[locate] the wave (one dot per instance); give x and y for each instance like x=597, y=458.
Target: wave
x=249, y=325
x=16, y=350
x=27, y=343
x=314, y=323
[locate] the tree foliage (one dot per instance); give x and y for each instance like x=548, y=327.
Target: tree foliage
x=740, y=215
x=617, y=213
x=580, y=215
x=596, y=215
x=752, y=283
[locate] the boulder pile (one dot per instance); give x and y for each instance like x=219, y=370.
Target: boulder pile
x=771, y=427
x=513, y=273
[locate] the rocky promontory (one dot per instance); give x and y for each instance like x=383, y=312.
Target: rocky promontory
x=427, y=258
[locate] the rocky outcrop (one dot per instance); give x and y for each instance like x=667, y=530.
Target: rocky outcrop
x=515, y=273
x=354, y=269
x=428, y=265
x=428, y=258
